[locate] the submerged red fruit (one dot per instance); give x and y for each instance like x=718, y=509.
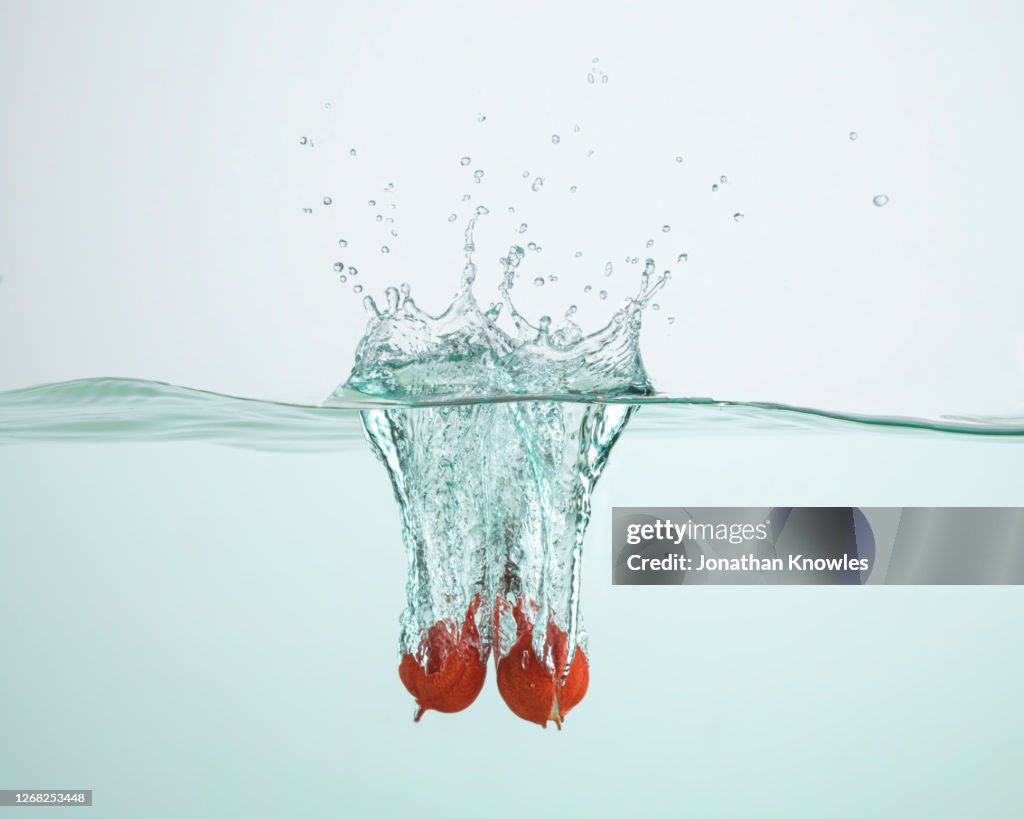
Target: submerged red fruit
x=532, y=689
x=451, y=672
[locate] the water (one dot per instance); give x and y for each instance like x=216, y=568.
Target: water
x=207, y=589
x=223, y=579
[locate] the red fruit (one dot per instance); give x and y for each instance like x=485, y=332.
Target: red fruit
x=529, y=686
x=454, y=671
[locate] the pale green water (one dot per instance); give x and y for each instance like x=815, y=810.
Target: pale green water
x=201, y=630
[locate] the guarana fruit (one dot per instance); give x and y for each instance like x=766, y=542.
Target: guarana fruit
x=531, y=688
x=449, y=672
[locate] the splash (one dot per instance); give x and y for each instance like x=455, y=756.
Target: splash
x=495, y=496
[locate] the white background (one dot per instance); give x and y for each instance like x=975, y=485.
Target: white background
x=152, y=186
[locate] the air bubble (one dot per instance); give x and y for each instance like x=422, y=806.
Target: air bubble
x=590, y=77
x=737, y=217
x=683, y=257
x=853, y=136
x=481, y=117
x=539, y=281
x=573, y=189
x=304, y=141
x=538, y=183
x=555, y=139
x=385, y=249
x=352, y=152
x=342, y=278
x=481, y=210
x=307, y=210
x=353, y=271
x=679, y=159
x=465, y=161
x=452, y=217
x=522, y=227
x=603, y=294
x=552, y=278
x=671, y=319
x=723, y=179
x=666, y=228
x=714, y=187
x=357, y=289
x=608, y=268
x=655, y=306
x=478, y=175
x=587, y=289
x=650, y=243
x=466, y=197
x=342, y=243
x=881, y=200
x=339, y=266
x=372, y=203
x=578, y=253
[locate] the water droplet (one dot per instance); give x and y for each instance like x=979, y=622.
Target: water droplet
x=539, y=281
x=538, y=183
x=737, y=217
x=714, y=187
x=650, y=243
x=683, y=257
x=555, y=139
x=481, y=210
x=478, y=175
x=608, y=269
x=603, y=294
x=465, y=161
x=304, y=141
x=573, y=189
x=723, y=179
x=481, y=117
x=522, y=227
x=353, y=272
x=666, y=228
x=339, y=266
x=357, y=289
x=352, y=152
x=372, y=203
x=452, y=217
x=578, y=253
x=881, y=200
x=327, y=200
x=671, y=319
x=307, y=210
x=343, y=278
x=342, y=243
x=853, y=136
x=587, y=289
x=679, y=159
x=385, y=249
